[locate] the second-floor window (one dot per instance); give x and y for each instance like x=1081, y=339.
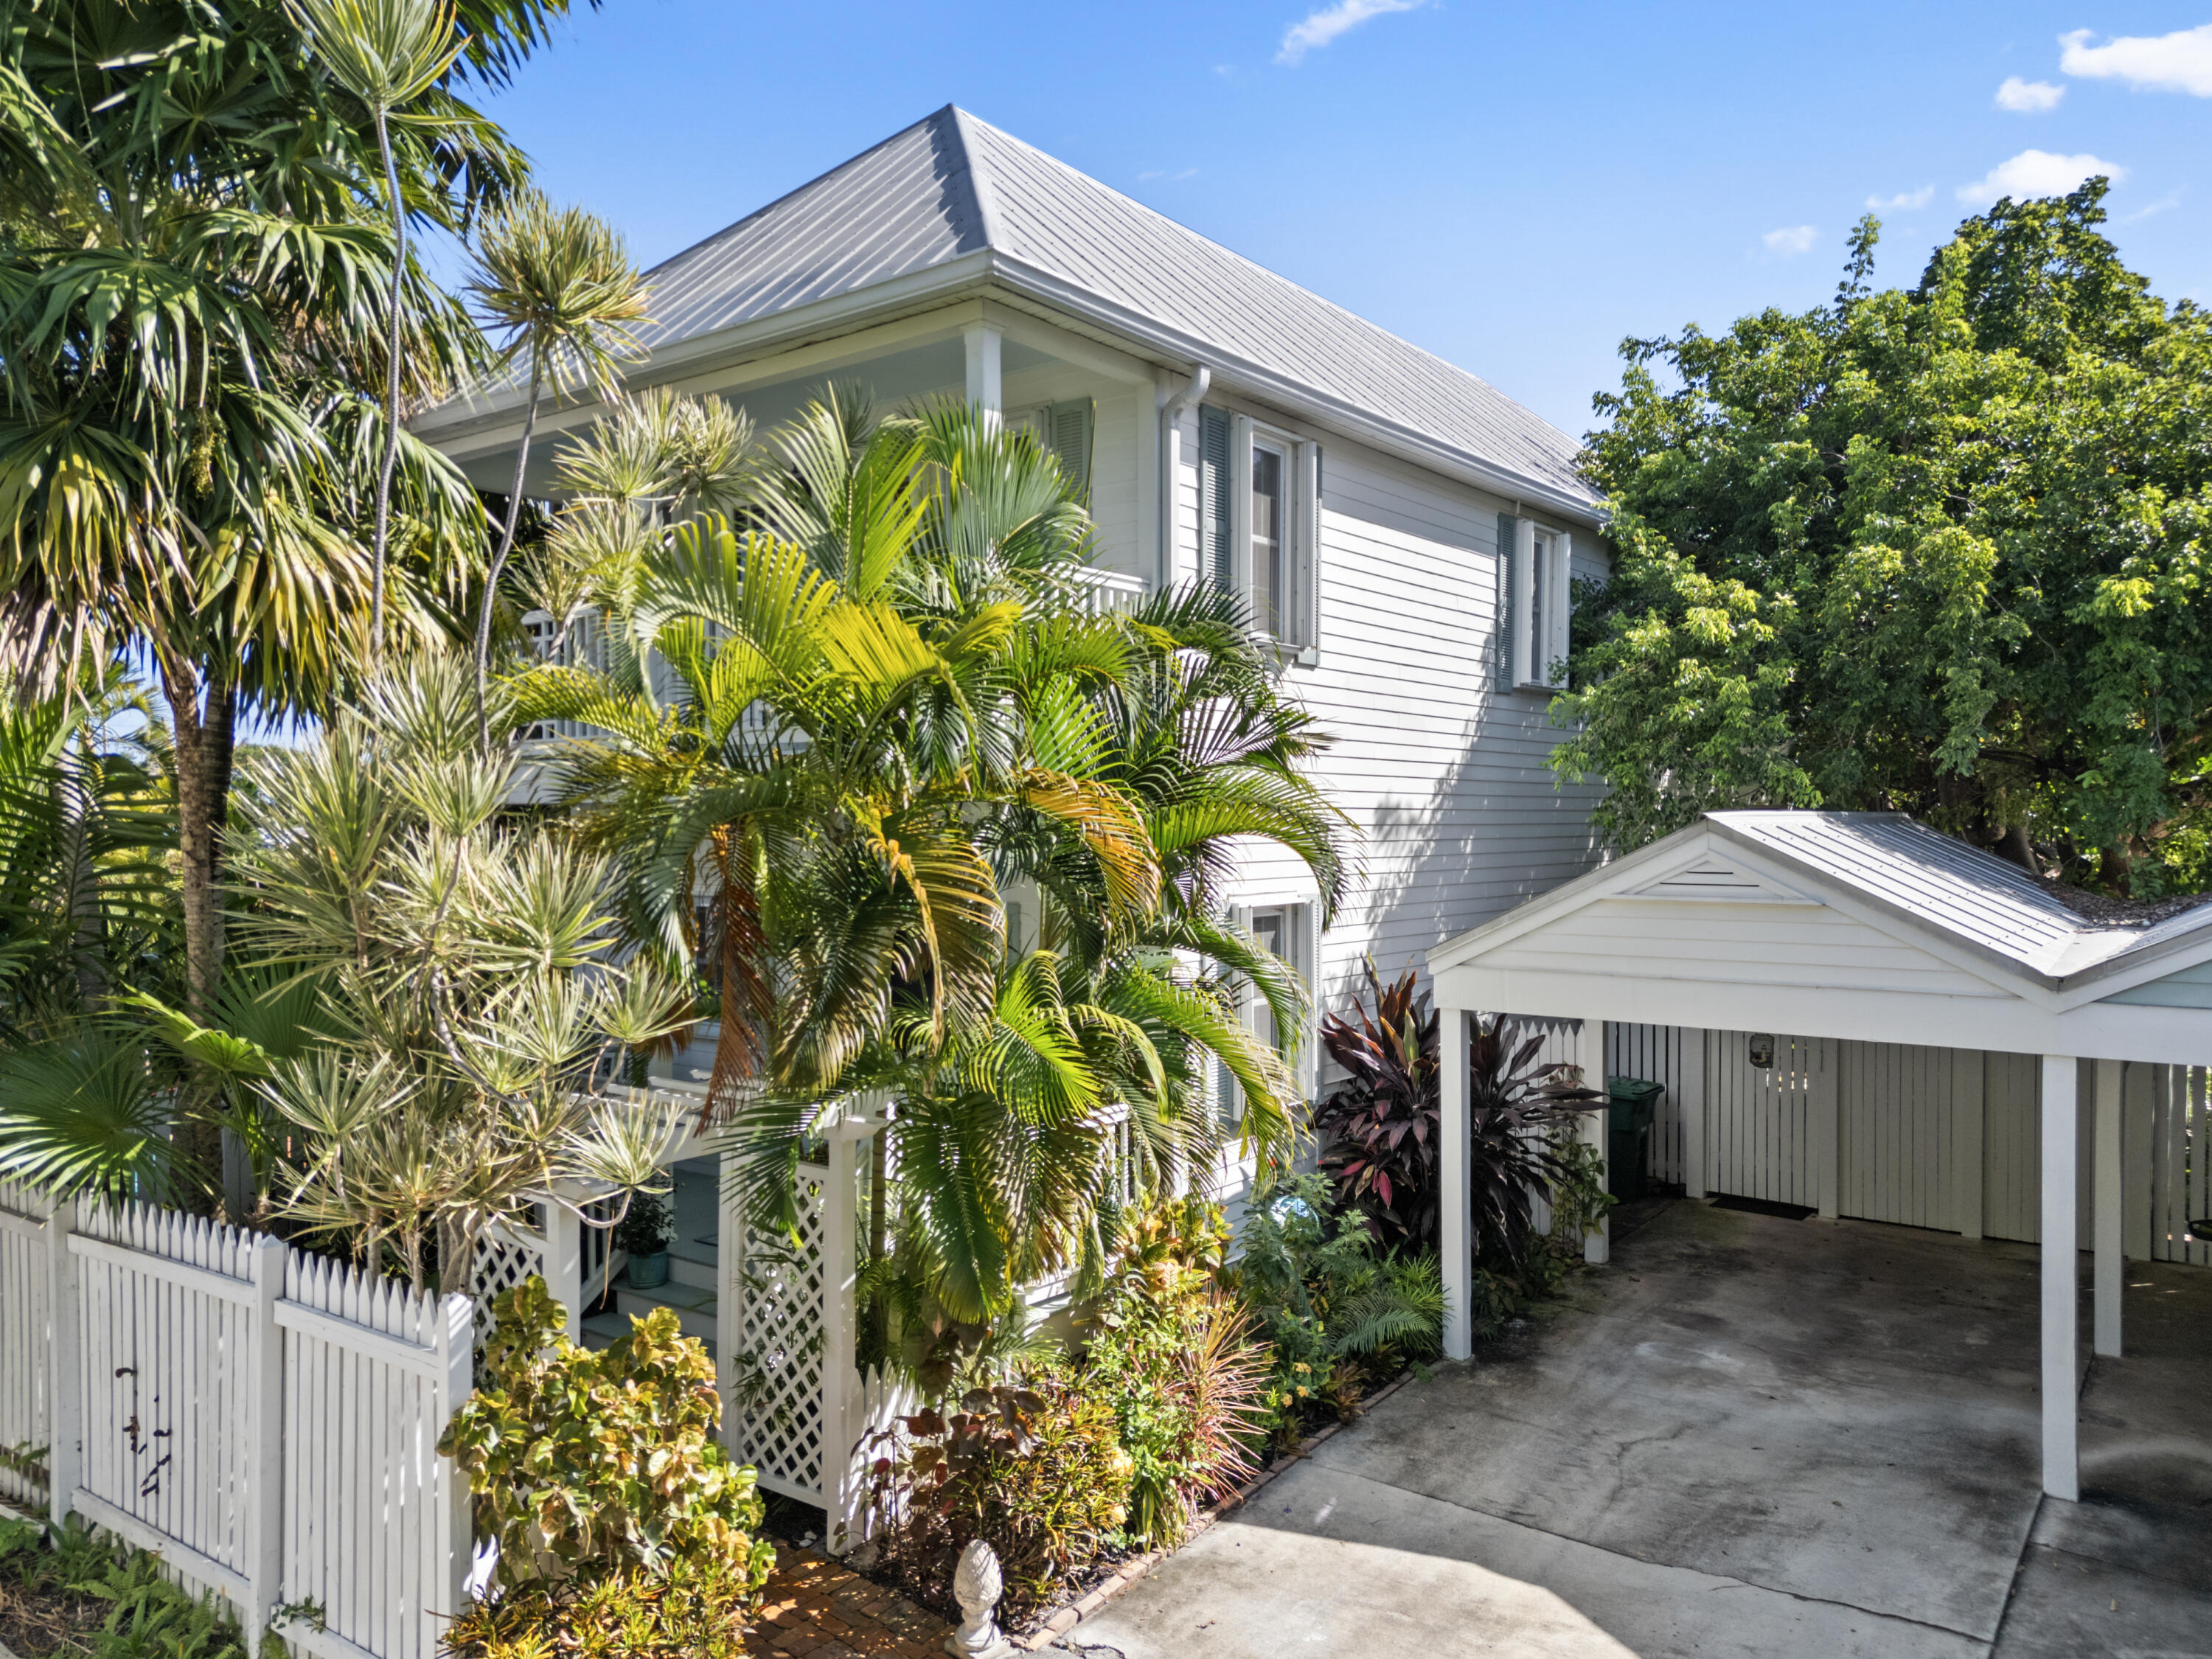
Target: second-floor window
x=1260, y=523
x=1538, y=572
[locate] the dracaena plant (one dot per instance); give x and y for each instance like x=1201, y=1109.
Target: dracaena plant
x=1378, y=1129
x=1515, y=1106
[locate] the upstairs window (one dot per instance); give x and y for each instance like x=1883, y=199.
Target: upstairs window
x=1260, y=524
x=1535, y=570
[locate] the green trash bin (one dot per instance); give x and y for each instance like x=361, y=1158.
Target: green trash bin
x=1628, y=1133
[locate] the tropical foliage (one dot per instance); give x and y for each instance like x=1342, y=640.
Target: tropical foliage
x=1519, y=1114
x=1378, y=1129
x=1938, y=550
x=884, y=709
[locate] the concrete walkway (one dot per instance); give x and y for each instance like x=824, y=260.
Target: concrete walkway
x=1750, y=1437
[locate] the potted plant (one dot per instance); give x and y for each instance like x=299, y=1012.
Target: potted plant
x=644, y=1234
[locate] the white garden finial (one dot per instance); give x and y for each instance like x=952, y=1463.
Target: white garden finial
x=977, y=1586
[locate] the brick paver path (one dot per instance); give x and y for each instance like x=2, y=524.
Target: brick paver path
x=816, y=1609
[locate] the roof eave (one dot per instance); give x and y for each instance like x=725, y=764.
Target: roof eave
x=469, y=414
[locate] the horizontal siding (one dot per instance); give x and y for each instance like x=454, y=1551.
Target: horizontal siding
x=1668, y=938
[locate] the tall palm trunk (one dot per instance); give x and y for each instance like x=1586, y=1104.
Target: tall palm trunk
x=506, y=546
x=391, y=395
x=203, y=702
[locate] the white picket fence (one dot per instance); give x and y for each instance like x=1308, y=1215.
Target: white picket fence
x=264, y=1420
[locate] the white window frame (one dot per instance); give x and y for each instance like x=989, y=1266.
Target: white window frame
x=1537, y=662
x=1301, y=940
x=1300, y=636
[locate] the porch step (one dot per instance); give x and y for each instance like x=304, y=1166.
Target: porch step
x=690, y=1262
x=603, y=1330
x=694, y=1306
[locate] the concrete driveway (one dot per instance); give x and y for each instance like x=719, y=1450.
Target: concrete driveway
x=1749, y=1436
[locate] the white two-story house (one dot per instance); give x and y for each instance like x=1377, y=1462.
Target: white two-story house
x=1407, y=531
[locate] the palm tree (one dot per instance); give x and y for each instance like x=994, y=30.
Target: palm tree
x=876, y=712
x=387, y=53
x=558, y=286
x=189, y=444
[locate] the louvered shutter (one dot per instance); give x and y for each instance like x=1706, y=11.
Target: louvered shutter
x=1068, y=429
x=1216, y=554
x=1501, y=652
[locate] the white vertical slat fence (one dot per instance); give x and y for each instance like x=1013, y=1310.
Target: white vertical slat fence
x=2181, y=1162
x=264, y=1420
x=26, y=1346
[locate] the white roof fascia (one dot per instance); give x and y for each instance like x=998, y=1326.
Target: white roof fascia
x=2124, y=970
x=1294, y=397
x=469, y=413
x=917, y=290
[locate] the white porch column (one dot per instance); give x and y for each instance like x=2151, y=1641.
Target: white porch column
x=844, y=1476
x=1589, y=1054
x=1456, y=1200
x=2062, y=1474
x=984, y=346
x=2112, y=1262
x=564, y=1262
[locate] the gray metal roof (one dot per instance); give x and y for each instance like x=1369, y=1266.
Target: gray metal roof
x=1976, y=897
x=951, y=185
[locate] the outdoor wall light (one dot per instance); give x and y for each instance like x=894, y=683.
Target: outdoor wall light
x=1762, y=1052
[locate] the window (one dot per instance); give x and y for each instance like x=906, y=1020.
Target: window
x=1063, y=430
x=1259, y=518
x=1285, y=930
x=1535, y=605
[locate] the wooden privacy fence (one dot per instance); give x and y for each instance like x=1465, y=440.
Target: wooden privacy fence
x=264, y=1420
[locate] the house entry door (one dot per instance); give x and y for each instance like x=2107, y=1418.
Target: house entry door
x=1760, y=1117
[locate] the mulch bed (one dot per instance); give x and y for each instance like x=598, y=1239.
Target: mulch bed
x=818, y=1609
x=35, y=1623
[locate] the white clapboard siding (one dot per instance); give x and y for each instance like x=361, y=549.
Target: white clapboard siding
x=26, y=1346
x=2180, y=1162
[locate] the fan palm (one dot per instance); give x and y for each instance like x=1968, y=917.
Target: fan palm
x=190, y=281
x=387, y=53
x=559, y=287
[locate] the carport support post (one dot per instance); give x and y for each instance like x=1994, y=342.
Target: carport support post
x=2062, y=1471
x=1457, y=1200
x=1589, y=1054
x=2111, y=1265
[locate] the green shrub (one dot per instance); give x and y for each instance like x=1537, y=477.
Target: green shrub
x=1173, y=1357
x=690, y=1608
x=140, y=1614
x=1328, y=1302
x=1038, y=1472
x=592, y=1464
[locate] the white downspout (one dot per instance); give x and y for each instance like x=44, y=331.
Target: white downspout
x=1171, y=406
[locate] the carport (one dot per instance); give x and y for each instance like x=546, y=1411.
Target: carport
x=1772, y=953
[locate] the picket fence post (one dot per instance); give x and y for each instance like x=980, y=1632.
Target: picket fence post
x=451, y=1515
x=265, y=1515
x=64, y=1397
x=564, y=1262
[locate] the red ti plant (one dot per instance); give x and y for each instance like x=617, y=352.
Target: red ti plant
x=1378, y=1129
x=1514, y=1108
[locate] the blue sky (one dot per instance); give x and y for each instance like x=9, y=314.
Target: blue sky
x=1514, y=187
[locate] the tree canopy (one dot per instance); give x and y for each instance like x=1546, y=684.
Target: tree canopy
x=1940, y=549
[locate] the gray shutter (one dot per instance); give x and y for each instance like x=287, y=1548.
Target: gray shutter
x=1213, y=502
x=1068, y=428
x=1509, y=530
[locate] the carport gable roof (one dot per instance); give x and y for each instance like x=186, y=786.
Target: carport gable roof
x=1920, y=887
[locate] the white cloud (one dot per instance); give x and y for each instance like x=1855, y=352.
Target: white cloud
x=2037, y=172
x=1904, y=201
x=2179, y=62
x=2161, y=205
x=2028, y=97
x=1172, y=178
x=1791, y=241
x=1321, y=26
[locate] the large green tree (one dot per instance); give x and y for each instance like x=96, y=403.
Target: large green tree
x=196, y=265
x=1940, y=550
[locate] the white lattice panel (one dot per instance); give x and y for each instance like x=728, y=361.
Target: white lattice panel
x=506, y=1256
x=776, y=1398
